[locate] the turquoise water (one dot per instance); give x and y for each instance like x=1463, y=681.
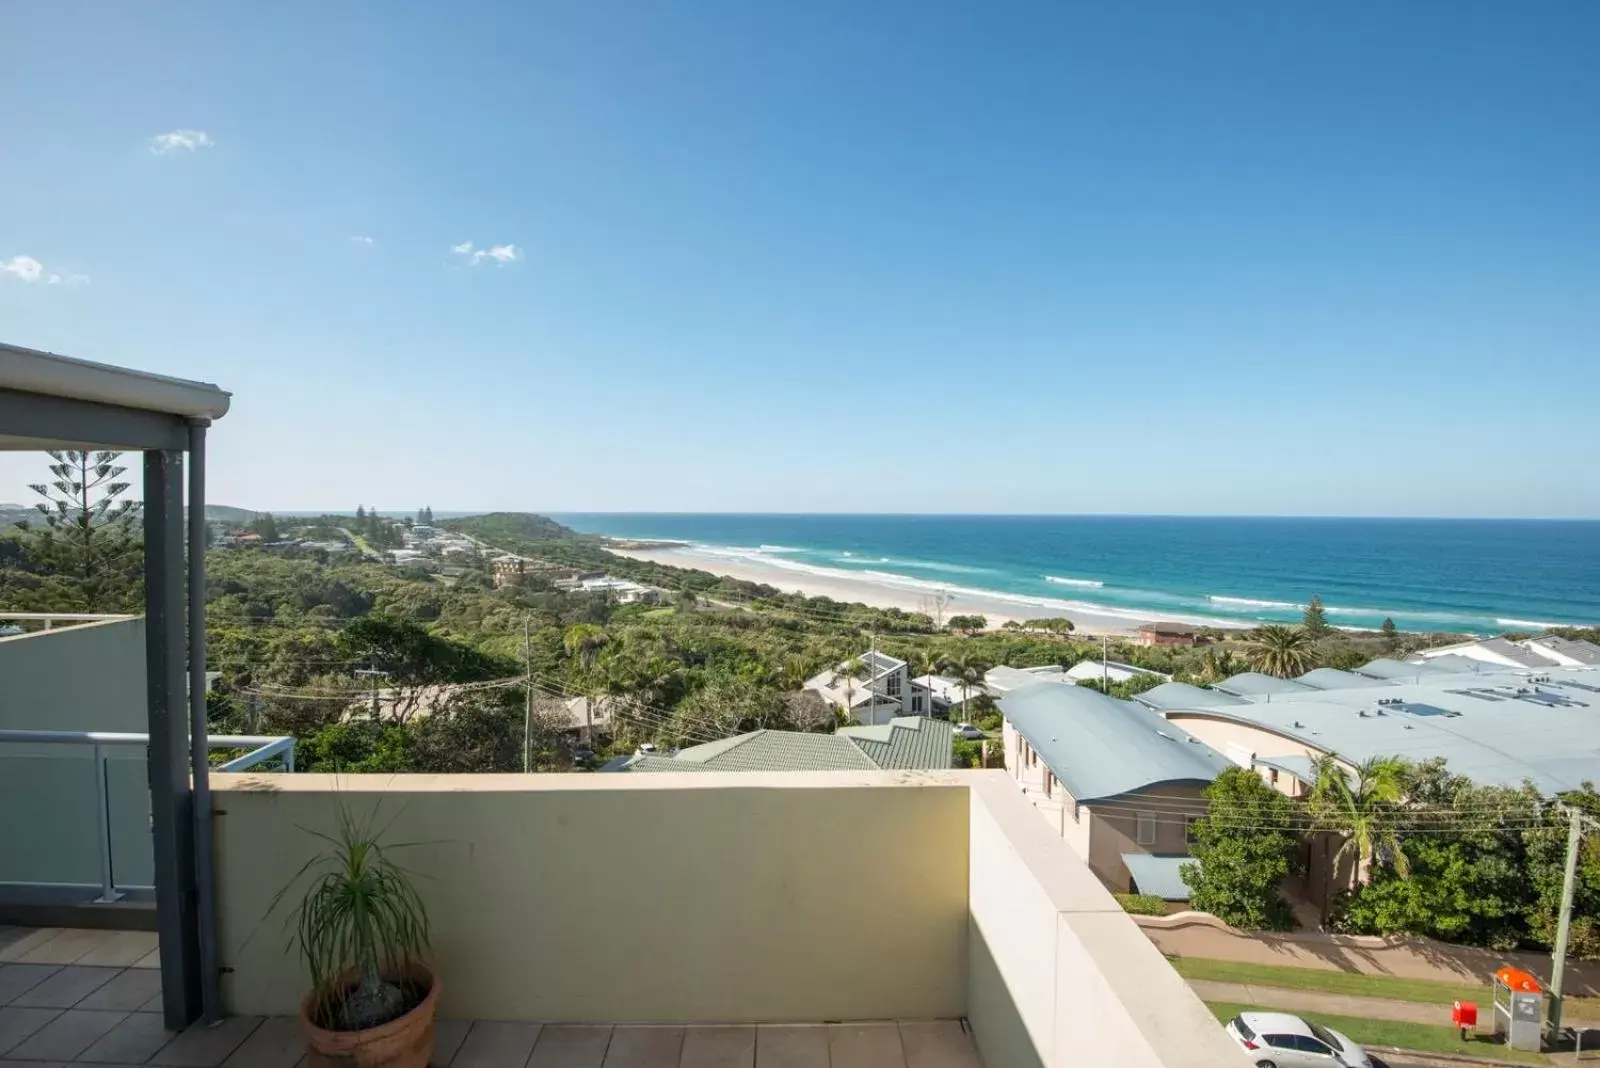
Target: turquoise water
x=1459, y=575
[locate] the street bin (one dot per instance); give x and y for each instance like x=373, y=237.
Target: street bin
x=1518, y=1009
x=1464, y=1014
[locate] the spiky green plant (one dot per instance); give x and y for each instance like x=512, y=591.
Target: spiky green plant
x=360, y=915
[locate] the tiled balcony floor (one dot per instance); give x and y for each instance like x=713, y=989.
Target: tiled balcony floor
x=94, y=997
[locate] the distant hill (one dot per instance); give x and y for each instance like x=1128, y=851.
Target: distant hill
x=223, y=513
x=11, y=514
x=514, y=526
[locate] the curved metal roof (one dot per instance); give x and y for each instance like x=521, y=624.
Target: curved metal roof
x=1249, y=683
x=1183, y=695
x=1100, y=747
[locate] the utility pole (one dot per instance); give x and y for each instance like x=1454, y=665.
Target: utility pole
x=1105, y=662
x=1558, y=961
x=374, y=674
x=527, y=687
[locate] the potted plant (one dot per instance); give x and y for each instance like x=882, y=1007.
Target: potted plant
x=363, y=932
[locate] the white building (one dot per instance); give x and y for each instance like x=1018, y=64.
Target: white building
x=881, y=690
x=1002, y=680
x=1536, y=654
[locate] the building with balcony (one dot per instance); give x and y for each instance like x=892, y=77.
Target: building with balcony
x=851, y=919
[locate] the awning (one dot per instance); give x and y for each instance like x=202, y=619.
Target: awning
x=1159, y=874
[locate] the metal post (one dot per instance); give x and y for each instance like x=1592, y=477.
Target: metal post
x=102, y=797
x=199, y=752
x=1558, y=961
x=527, y=712
x=171, y=799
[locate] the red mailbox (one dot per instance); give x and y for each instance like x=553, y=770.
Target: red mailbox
x=1464, y=1014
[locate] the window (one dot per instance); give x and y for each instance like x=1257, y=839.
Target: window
x=916, y=703
x=1307, y=1044
x=1145, y=834
x=1326, y=1036
x=894, y=685
x=1280, y=1041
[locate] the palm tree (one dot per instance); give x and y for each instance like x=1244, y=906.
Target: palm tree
x=1281, y=651
x=1216, y=665
x=967, y=670
x=583, y=642
x=1360, y=807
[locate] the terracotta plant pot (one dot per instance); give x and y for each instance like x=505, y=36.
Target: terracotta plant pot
x=406, y=1042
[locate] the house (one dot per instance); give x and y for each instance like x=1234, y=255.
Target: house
x=905, y=743
x=1112, y=777
x=1109, y=671
x=1166, y=634
x=1498, y=726
x=1535, y=653
x=880, y=689
x=1565, y=652
x=1000, y=680
x=508, y=571
x=943, y=693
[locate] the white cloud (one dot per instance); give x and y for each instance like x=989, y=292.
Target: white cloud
x=24, y=267
x=173, y=140
x=363, y=241
x=28, y=269
x=498, y=254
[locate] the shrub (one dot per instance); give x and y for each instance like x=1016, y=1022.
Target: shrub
x=1141, y=904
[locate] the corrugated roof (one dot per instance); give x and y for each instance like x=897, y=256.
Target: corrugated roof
x=1584, y=652
x=1159, y=874
x=1249, y=683
x=763, y=751
x=1334, y=679
x=905, y=742
x=1100, y=747
x=1395, y=669
x=1498, y=728
x=1183, y=695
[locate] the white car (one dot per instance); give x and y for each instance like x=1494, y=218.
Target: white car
x=1278, y=1040
x=969, y=732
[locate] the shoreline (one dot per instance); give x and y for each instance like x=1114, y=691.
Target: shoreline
x=877, y=592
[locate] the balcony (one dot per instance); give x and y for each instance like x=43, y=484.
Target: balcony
x=901, y=918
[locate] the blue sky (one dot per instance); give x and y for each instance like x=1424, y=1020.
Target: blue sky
x=1222, y=257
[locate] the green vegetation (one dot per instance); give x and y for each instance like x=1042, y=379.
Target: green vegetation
x=1354, y=984
x=1282, y=651
x=383, y=668
x=1141, y=904
x=1422, y=1038
x=1433, y=854
x=81, y=552
x=1246, y=845
x=1315, y=620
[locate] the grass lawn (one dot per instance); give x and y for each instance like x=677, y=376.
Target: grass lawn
x=1411, y=1036
x=1374, y=986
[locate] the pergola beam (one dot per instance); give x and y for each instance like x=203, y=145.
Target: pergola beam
x=45, y=422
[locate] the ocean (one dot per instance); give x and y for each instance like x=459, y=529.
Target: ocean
x=1468, y=576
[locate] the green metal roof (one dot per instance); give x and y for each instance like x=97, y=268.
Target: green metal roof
x=914, y=742
x=907, y=742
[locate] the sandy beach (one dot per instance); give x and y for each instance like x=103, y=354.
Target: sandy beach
x=884, y=593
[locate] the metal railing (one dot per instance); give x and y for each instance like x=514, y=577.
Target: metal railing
x=261, y=749
x=48, y=620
